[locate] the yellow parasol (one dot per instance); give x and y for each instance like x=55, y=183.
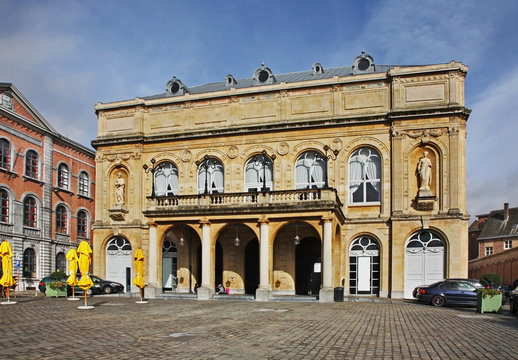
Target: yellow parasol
x=139, y=267
x=72, y=267
x=84, y=251
x=7, y=279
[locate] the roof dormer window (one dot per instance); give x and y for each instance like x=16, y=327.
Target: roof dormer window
x=230, y=80
x=264, y=75
x=363, y=63
x=175, y=87
x=318, y=68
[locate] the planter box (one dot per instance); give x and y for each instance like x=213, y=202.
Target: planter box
x=56, y=293
x=489, y=303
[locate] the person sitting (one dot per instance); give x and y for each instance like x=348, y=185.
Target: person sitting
x=220, y=289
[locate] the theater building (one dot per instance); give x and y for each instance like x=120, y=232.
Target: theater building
x=47, y=183
x=288, y=184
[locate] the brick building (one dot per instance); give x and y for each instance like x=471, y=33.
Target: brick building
x=47, y=187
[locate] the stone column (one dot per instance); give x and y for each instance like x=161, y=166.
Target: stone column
x=326, y=293
x=206, y=289
x=263, y=292
x=152, y=262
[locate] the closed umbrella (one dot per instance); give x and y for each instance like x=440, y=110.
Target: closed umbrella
x=7, y=267
x=84, y=251
x=72, y=267
x=139, y=267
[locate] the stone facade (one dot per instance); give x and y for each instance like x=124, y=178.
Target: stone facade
x=41, y=199
x=315, y=174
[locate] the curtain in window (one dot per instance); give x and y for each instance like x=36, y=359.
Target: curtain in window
x=373, y=172
x=355, y=173
x=218, y=179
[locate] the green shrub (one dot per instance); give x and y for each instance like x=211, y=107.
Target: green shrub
x=58, y=275
x=491, y=280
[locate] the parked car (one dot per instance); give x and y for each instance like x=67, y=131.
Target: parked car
x=100, y=286
x=513, y=300
x=448, y=292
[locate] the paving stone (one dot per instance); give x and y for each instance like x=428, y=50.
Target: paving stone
x=117, y=327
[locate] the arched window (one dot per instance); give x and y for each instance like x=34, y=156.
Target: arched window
x=5, y=154
x=364, y=176
x=364, y=266
x=63, y=176
x=4, y=206
x=84, y=184
x=29, y=263
x=210, y=176
x=118, y=244
x=61, y=219
x=61, y=262
x=166, y=179
x=30, y=212
x=31, y=164
x=258, y=169
x=82, y=224
x=310, y=171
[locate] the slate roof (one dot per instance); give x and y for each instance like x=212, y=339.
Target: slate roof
x=287, y=78
x=496, y=226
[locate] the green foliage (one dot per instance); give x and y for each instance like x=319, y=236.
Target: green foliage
x=492, y=280
x=488, y=292
x=58, y=275
x=58, y=285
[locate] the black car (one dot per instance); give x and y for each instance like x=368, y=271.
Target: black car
x=447, y=292
x=100, y=286
x=513, y=301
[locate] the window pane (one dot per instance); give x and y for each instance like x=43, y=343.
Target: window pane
x=4, y=206
x=5, y=154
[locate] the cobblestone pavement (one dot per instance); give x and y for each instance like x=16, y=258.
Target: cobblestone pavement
x=119, y=328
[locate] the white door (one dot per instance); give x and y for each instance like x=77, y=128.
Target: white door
x=118, y=258
x=424, y=261
x=364, y=273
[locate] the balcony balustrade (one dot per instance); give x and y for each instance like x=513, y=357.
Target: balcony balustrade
x=243, y=201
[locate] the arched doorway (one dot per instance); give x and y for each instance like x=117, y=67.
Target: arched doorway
x=308, y=267
x=252, y=266
x=118, y=261
x=424, y=260
x=169, y=265
x=364, y=266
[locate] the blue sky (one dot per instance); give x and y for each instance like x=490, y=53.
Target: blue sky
x=65, y=56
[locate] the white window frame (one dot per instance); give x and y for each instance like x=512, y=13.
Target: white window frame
x=166, y=172
x=307, y=165
x=508, y=244
x=359, y=166
x=489, y=250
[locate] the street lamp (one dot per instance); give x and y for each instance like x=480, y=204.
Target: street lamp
x=151, y=170
x=265, y=160
x=330, y=157
x=205, y=164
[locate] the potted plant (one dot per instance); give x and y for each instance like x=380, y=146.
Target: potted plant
x=489, y=298
x=58, y=286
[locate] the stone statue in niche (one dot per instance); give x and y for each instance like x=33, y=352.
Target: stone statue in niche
x=424, y=174
x=120, y=185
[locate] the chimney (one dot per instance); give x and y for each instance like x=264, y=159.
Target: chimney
x=506, y=211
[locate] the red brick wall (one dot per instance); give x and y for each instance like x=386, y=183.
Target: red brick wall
x=505, y=264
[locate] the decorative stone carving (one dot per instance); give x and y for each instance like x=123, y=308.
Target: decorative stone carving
x=425, y=203
x=186, y=155
x=423, y=134
x=233, y=152
x=118, y=212
x=424, y=173
x=6, y=101
x=120, y=188
x=336, y=144
x=283, y=148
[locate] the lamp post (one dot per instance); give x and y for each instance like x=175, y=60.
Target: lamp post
x=205, y=164
x=264, y=159
x=329, y=157
x=151, y=170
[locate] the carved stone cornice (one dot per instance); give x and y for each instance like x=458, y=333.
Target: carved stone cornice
x=425, y=135
x=118, y=158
